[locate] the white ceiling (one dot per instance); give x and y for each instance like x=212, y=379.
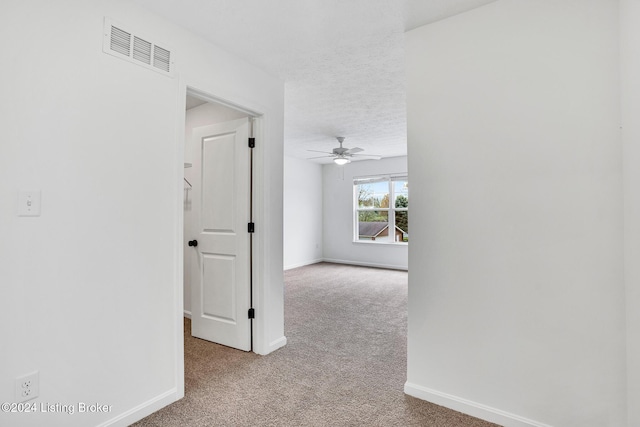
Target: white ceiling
x=342, y=60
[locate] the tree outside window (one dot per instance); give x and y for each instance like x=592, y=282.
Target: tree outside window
x=376, y=217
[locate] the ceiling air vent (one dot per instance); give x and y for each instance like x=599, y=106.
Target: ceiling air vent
x=122, y=43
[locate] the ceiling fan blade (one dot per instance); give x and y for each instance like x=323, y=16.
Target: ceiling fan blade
x=372, y=156
x=319, y=157
x=316, y=151
x=354, y=150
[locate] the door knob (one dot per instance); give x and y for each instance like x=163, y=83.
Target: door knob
x=193, y=243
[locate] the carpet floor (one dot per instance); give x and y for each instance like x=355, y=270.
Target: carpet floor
x=344, y=363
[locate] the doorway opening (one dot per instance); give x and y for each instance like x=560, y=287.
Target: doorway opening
x=218, y=213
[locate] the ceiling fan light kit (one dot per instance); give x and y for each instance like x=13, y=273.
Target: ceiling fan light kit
x=342, y=156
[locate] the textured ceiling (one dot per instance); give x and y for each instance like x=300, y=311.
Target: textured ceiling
x=342, y=61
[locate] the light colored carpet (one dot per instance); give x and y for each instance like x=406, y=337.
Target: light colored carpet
x=344, y=363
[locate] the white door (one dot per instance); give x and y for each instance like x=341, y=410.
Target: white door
x=220, y=297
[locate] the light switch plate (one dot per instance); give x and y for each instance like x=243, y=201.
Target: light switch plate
x=29, y=203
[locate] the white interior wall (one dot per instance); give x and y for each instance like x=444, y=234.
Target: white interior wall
x=630, y=70
x=338, y=218
x=516, y=296
x=90, y=291
x=302, y=212
x=202, y=115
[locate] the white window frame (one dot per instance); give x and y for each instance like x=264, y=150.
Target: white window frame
x=391, y=211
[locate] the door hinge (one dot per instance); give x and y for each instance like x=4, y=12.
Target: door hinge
x=252, y=313
x=252, y=227
x=252, y=142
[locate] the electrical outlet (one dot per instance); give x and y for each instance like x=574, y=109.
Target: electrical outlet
x=27, y=387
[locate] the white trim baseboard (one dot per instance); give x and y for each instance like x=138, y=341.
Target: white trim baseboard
x=274, y=345
x=187, y=314
x=143, y=410
x=302, y=264
x=469, y=407
x=367, y=264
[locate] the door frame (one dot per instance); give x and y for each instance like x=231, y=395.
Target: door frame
x=258, y=117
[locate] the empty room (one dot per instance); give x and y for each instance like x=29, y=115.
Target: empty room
x=205, y=213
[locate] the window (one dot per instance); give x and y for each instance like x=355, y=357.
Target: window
x=381, y=206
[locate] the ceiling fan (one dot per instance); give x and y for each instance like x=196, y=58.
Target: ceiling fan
x=342, y=156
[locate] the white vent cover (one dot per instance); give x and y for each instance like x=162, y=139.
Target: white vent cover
x=122, y=43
